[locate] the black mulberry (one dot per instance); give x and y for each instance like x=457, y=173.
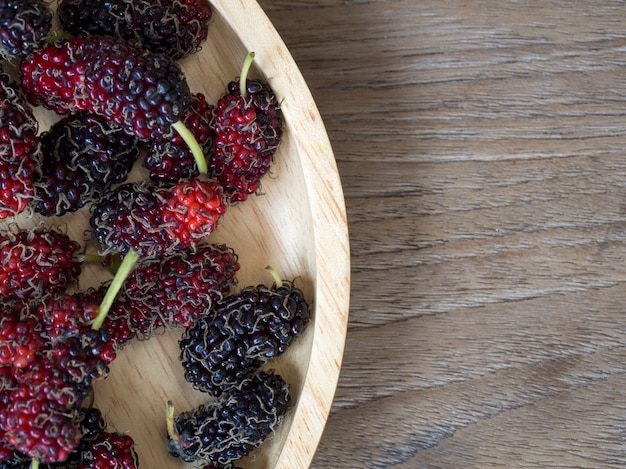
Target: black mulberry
x=241, y=333
x=226, y=430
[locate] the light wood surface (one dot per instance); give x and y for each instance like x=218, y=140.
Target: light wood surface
x=482, y=150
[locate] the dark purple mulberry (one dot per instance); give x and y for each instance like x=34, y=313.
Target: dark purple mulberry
x=129, y=217
x=24, y=26
x=226, y=430
x=175, y=27
x=241, y=333
x=83, y=155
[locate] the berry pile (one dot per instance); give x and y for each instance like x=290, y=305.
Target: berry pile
x=51, y=373
x=114, y=81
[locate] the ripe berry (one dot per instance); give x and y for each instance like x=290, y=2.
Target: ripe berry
x=21, y=340
x=83, y=155
x=110, y=451
x=41, y=419
x=35, y=261
x=18, y=145
x=226, y=430
x=241, y=333
x=143, y=93
x=175, y=27
x=181, y=287
x=156, y=221
x=24, y=26
x=248, y=128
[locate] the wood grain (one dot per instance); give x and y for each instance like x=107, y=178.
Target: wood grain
x=481, y=150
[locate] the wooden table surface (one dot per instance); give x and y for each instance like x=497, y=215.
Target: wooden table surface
x=482, y=149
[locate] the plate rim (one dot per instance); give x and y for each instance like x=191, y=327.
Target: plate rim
x=332, y=251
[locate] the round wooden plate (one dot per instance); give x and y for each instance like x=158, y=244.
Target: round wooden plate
x=297, y=224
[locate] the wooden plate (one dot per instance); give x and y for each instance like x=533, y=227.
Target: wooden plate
x=298, y=225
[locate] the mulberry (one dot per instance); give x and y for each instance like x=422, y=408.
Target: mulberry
x=241, y=333
x=228, y=429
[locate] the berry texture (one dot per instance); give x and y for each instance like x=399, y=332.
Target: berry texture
x=41, y=420
x=171, y=160
x=21, y=340
x=80, y=351
x=242, y=332
x=228, y=429
x=156, y=221
x=141, y=92
x=110, y=451
x=41, y=415
x=83, y=155
x=175, y=28
x=193, y=210
x=129, y=217
x=34, y=261
x=18, y=147
x=180, y=288
x=24, y=26
x=248, y=132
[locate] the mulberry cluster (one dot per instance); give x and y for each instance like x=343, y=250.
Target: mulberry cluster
x=49, y=354
x=117, y=85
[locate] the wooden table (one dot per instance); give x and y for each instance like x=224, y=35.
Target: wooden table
x=482, y=149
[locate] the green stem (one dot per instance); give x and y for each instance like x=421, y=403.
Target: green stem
x=127, y=266
x=91, y=259
x=243, y=77
x=193, y=145
x=34, y=463
x=277, y=279
x=55, y=37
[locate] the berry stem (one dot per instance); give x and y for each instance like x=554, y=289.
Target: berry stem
x=57, y=35
x=169, y=415
x=193, y=144
x=91, y=259
x=127, y=266
x=34, y=463
x=243, y=77
x=275, y=275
